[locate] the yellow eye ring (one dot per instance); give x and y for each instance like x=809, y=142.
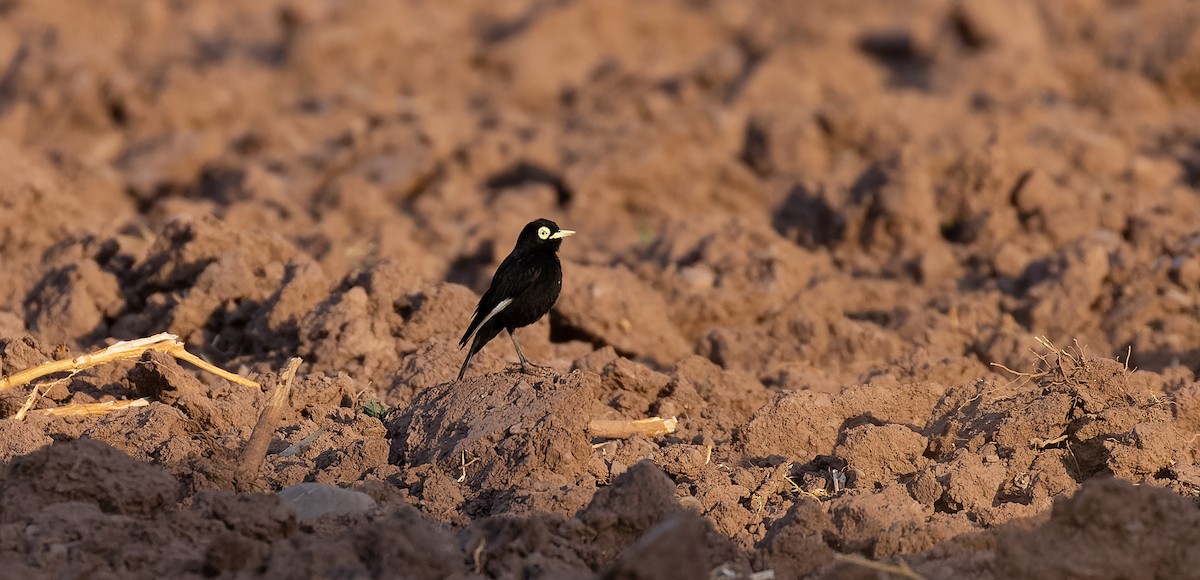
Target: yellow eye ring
x=544, y=233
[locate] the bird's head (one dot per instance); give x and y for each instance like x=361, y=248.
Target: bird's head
x=541, y=233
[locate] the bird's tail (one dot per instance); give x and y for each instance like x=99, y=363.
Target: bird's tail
x=462, y=371
x=471, y=328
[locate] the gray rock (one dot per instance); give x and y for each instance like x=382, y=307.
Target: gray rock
x=311, y=500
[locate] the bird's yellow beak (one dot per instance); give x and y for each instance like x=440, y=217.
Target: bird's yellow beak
x=562, y=234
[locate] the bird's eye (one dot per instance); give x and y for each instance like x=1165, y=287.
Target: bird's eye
x=544, y=232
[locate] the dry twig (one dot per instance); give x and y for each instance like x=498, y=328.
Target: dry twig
x=93, y=408
x=1019, y=373
x=902, y=570
x=302, y=444
x=33, y=396
x=1044, y=443
x=255, y=451
x=477, y=555
x=464, y=466
x=124, y=350
x=623, y=428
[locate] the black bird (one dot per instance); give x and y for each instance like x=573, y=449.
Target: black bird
x=523, y=289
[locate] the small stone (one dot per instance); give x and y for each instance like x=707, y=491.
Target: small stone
x=310, y=500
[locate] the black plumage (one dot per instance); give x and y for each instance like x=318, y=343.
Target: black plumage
x=524, y=288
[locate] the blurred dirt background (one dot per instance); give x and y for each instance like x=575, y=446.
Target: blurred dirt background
x=812, y=231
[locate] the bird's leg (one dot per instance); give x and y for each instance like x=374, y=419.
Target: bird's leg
x=525, y=364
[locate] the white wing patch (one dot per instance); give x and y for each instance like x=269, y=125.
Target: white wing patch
x=501, y=306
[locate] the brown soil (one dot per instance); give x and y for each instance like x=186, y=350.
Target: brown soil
x=820, y=236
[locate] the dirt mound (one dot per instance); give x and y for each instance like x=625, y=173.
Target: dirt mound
x=631, y=528
x=836, y=246
x=1081, y=418
x=512, y=428
x=1078, y=536
x=724, y=271
x=104, y=489
x=92, y=473
x=612, y=306
x=636, y=523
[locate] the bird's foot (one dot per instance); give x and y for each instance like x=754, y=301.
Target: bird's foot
x=528, y=368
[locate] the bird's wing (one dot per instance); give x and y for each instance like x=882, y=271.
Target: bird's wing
x=511, y=280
